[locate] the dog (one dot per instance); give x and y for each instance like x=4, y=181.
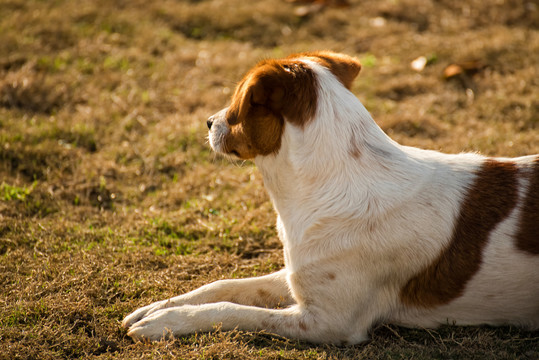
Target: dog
x=372, y=231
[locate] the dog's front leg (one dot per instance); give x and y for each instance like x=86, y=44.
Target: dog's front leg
x=293, y=322
x=265, y=291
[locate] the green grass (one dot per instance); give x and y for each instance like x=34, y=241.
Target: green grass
x=9, y=192
x=110, y=197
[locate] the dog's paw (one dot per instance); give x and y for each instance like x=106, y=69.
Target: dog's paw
x=161, y=324
x=142, y=312
x=149, y=330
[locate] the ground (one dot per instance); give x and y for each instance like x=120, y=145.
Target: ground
x=110, y=197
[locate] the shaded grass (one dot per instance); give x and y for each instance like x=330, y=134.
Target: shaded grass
x=110, y=198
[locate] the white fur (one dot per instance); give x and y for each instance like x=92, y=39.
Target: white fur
x=354, y=231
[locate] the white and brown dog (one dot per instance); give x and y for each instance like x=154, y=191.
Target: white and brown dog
x=372, y=231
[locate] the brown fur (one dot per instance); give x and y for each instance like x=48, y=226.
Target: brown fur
x=488, y=202
x=331, y=276
x=275, y=90
x=344, y=67
x=354, y=147
x=262, y=293
x=528, y=235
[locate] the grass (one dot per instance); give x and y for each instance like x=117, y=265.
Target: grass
x=110, y=197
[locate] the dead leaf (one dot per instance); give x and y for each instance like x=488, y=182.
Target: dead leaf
x=333, y=3
x=469, y=67
x=307, y=10
x=314, y=6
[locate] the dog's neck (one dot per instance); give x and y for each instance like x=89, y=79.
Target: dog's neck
x=338, y=162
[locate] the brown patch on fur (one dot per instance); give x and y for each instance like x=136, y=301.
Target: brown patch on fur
x=263, y=293
x=302, y=325
x=273, y=91
x=344, y=67
x=488, y=202
x=528, y=234
x=331, y=276
x=354, y=150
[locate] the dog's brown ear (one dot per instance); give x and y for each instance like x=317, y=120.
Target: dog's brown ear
x=344, y=67
x=263, y=88
x=268, y=90
x=285, y=88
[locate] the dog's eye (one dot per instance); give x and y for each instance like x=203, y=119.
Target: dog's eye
x=232, y=120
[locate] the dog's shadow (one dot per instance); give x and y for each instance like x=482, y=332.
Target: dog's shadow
x=386, y=342
x=390, y=341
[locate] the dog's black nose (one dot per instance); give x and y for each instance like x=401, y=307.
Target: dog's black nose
x=209, y=122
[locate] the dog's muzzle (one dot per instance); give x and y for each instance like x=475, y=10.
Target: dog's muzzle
x=218, y=129
x=209, y=122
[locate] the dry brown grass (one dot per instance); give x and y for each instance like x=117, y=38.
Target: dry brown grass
x=110, y=198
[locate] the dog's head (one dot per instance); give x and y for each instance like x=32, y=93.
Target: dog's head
x=273, y=94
